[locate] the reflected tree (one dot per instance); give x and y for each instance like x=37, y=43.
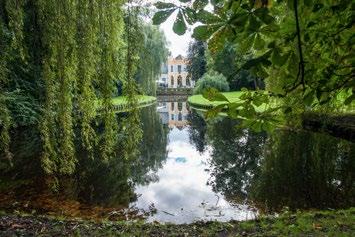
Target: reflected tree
x=305, y=170
x=197, y=130
x=235, y=156
x=104, y=184
x=152, y=148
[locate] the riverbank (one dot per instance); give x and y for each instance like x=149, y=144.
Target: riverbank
x=318, y=223
x=198, y=101
x=121, y=105
x=337, y=125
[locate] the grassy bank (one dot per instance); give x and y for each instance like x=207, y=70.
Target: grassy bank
x=197, y=101
x=121, y=103
x=200, y=102
x=320, y=223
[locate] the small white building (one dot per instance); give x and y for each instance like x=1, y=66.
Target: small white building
x=174, y=74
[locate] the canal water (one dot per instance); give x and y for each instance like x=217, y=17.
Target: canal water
x=182, y=191
x=190, y=169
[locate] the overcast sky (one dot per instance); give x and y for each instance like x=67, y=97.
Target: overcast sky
x=177, y=44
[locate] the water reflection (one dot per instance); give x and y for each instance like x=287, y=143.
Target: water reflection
x=174, y=113
x=235, y=158
x=183, y=193
x=305, y=170
x=187, y=169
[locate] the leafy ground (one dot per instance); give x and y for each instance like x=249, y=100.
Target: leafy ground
x=320, y=223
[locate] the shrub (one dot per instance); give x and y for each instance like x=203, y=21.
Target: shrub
x=211, y=80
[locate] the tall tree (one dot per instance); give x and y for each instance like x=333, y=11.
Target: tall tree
x=197, y=62
x=153, y=54
x=303, y=49
x=59, y=64
x=229, y=63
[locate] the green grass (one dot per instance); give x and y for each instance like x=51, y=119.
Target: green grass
x=120, y=103
x=310, y=223
x=120, y=100
x=199, y=101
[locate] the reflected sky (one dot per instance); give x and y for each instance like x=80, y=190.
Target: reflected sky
x=182, y=195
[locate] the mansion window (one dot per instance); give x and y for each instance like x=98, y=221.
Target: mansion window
x=172, y=117
x=172, y=80
x=172, y=106
x=179, y=81
x=179, y=68
x=171, y=68
x=188, y=83
x=179, y=106
x=180, y=117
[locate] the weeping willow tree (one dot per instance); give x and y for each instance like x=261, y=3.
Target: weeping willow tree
x=153, y=54
x=79, y=50
x=87, y=48
x=59, y=68
x=11, y=15
x=4, y=112
x=131, y=125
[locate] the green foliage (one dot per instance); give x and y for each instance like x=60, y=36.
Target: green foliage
x=229, y=63
x=87, y=48
x=197, y=60
x=303, y=49
x=5, y=121
x=153, y=53
x=58, y=59
x=131, y=126
x=296, y=170
x=211, y=80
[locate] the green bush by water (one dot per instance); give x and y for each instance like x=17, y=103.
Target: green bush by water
x=212, y=80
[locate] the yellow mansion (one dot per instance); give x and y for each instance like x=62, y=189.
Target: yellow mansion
x=174, y=74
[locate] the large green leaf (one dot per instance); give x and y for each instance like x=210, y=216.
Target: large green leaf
x=263, y=15
x=204, y=32
x=161, y=16
x=219, y=38
x=278, y=59
x=309, y=97
x=213, y=94
x=179, y=26
x=254, y=24
x=240, y=19
x=259, y=42
x=164, y=5
x=206, y=17
x=215, y=111
x=190, y=15
x=350, y=99
x=292, y=65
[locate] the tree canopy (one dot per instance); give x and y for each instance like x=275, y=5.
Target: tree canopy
x=304, y=50
x=60, y=63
